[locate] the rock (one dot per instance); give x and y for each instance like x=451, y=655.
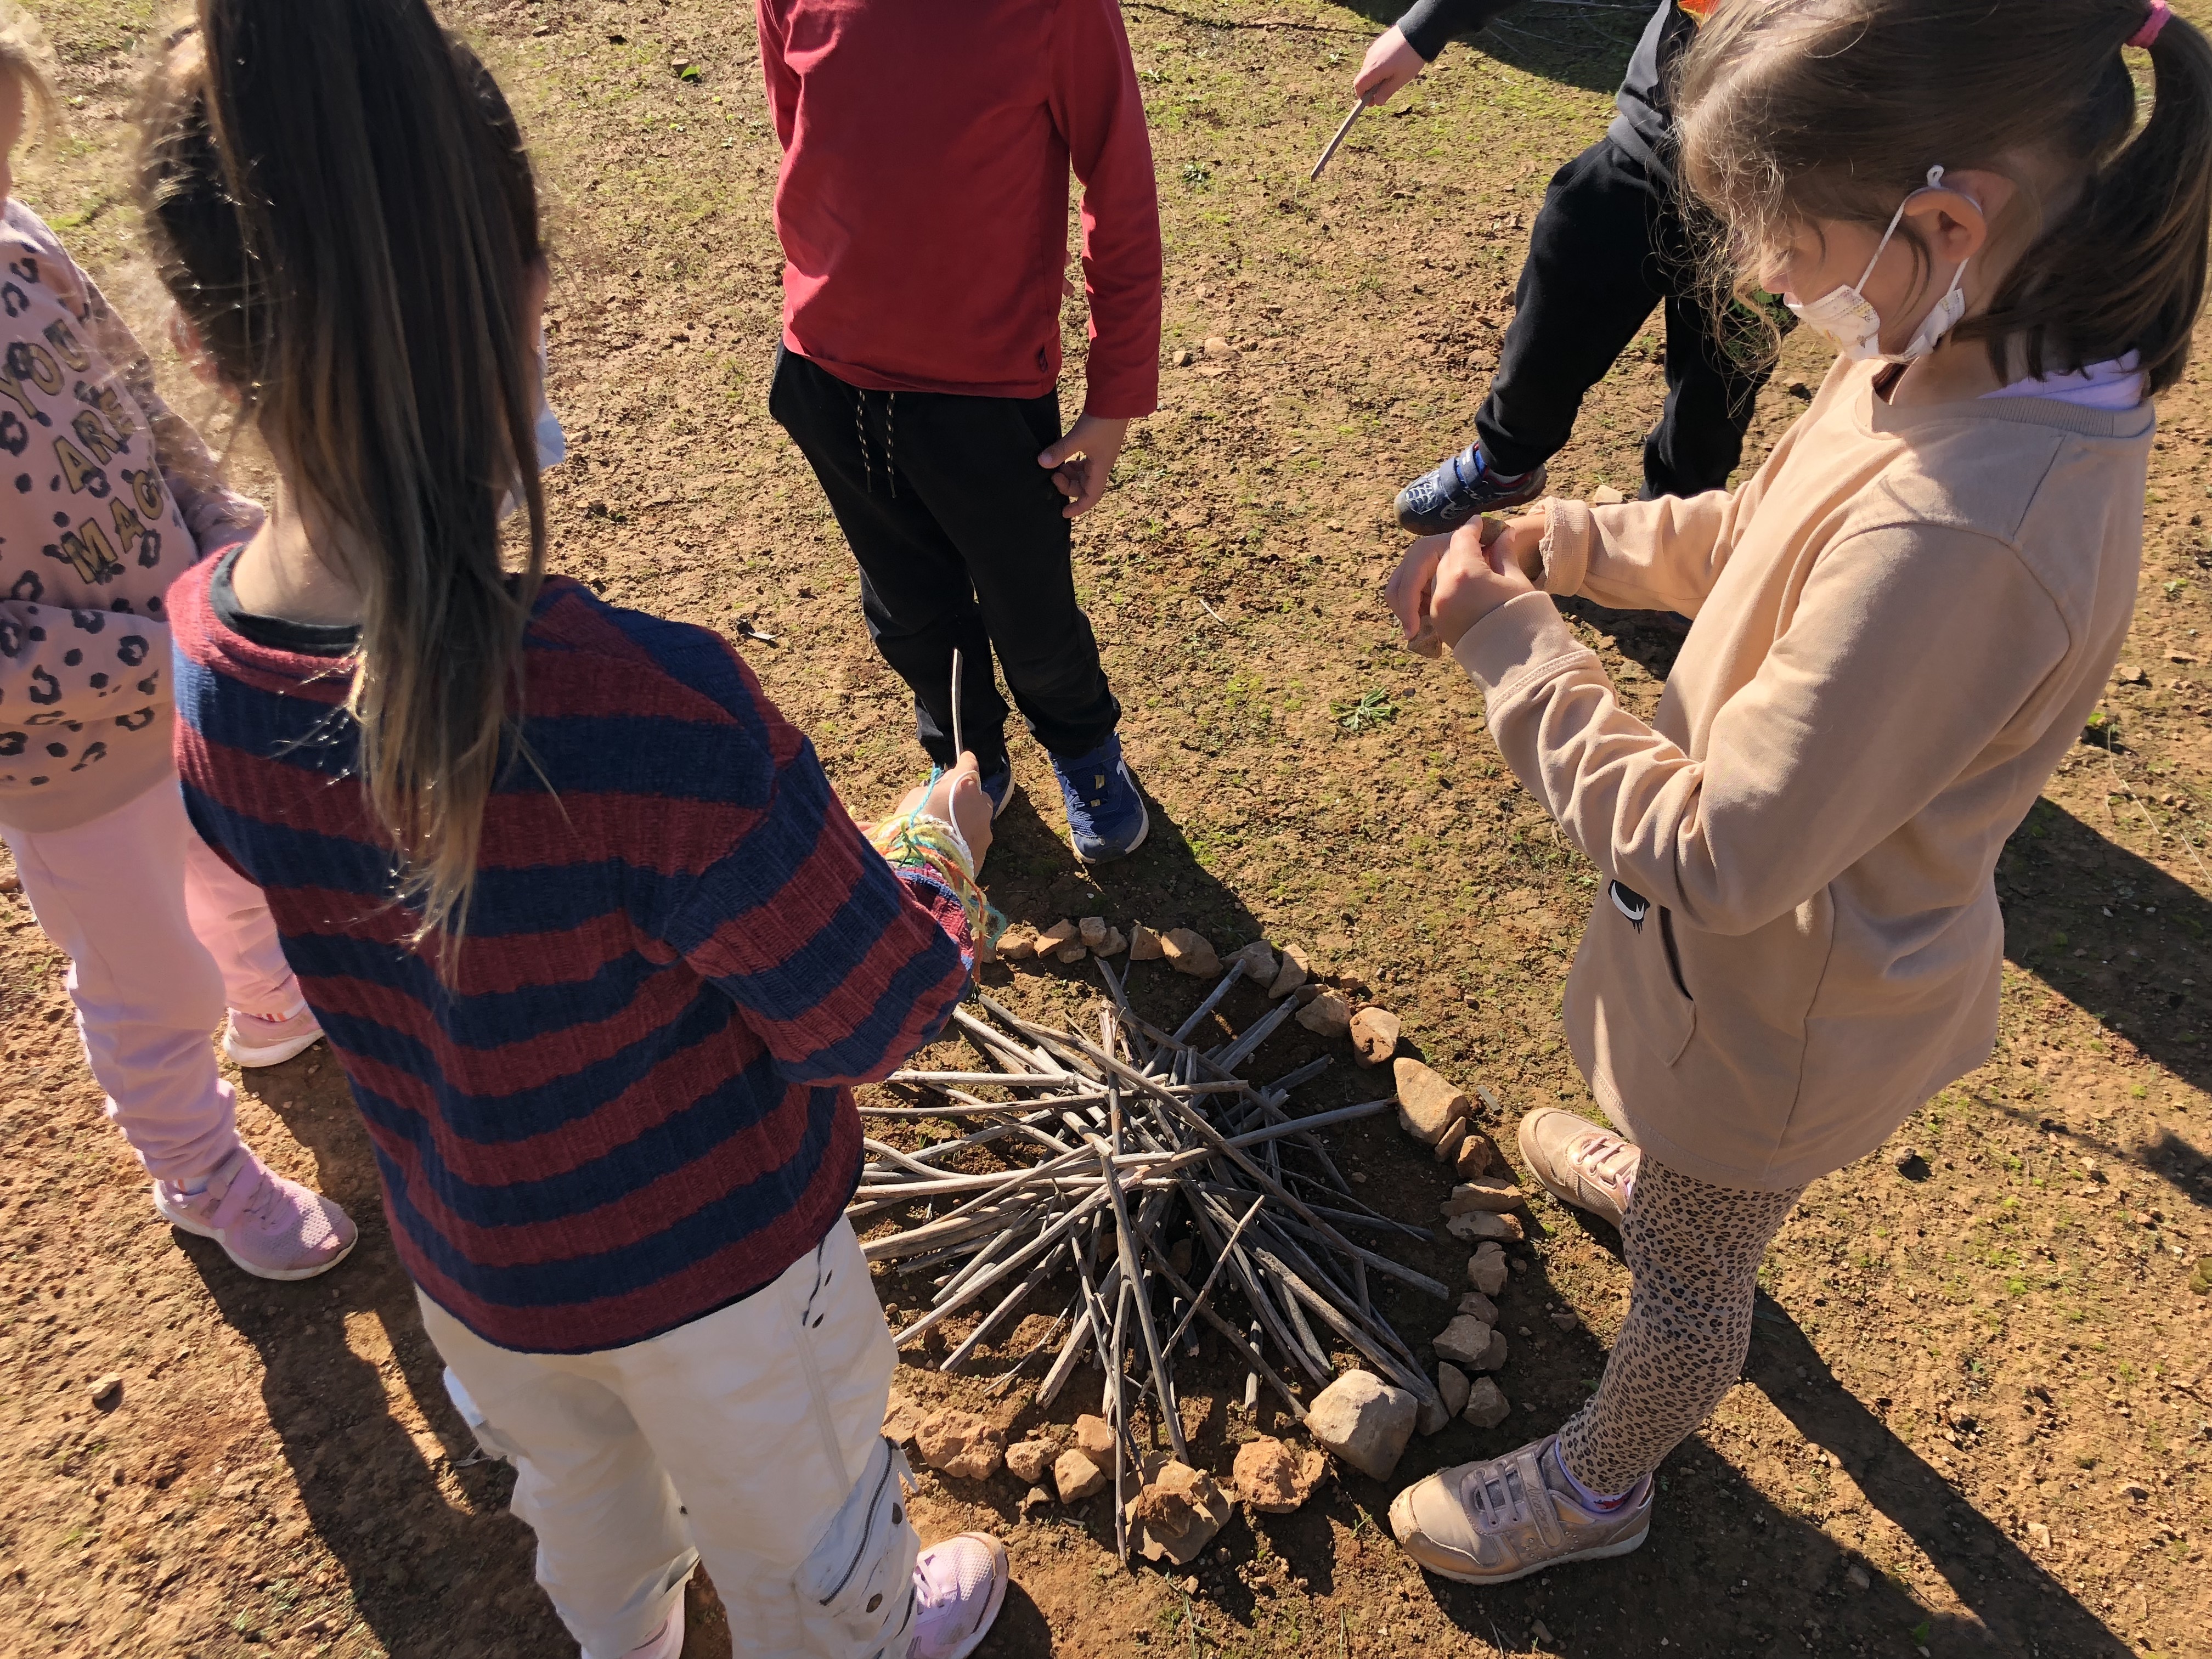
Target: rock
x=1327, y=1015
x=964, y=1444
x=1486, y=1404
x=1018, y=944
x=1375, y=1035
x=2130, y=1489
x=1183, y=358
x=902, y=1418
x=1036, y=1497
x=1144, y=945
x=1486, y=1268
x=1091, y=930
x=2038, y=1537
x=1364, y=1421
x=1606, y=495
x=1464, y=1342
x=1862, y=1579
x=1537, y=1628
x=1077, y=1477
x=1486, y=1223
x=1290, y=972
x=1567, y=1319
x=1430, y=1417
x=1427, y=1104
x=1493, y=1356
x=1275, y=1479
x=1057, y=937
x=1484, y=1193
x=1259, y=961
x=1071, y=953
x=1455, y=1138
x=1114, y=943
x=1454, y=1385
x=105, y=1391
x=1477, y=1154
x=1188, y=953
x=2130, y=673
x=1218, y=347
x=1094, y=1436
x=1178, y=1514
x=1030, y=1460
x=1475, y=1305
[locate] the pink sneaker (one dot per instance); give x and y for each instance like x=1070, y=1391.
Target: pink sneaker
x=271, y=1227
x=1580, y=1163
x=257, y=1040
x=959, y=1586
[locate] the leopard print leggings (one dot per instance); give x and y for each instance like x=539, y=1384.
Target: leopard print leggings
x=1693, y=1253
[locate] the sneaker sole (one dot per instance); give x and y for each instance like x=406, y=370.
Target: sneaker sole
x=1598, y=1552
x=184, y=1222
x=1566, y=1195
x=1002, y=1574
x=1143, y=830
x=274, y=1054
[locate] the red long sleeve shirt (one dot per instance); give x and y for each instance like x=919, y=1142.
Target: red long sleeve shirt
x=923, y=200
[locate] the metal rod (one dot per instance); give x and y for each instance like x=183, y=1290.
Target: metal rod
x=959, y=744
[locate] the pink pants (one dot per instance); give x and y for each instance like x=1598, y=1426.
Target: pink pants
x=160, y=934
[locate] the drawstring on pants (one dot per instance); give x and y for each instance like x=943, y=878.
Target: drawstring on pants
x=890, y=440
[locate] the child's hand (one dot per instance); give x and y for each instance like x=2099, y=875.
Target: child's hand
x=1391, y=62
x=957, y=798
x=1083, y=459
x=1446, y=584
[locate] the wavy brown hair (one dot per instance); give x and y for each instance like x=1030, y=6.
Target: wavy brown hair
x=1789, y=111
x=340, y=203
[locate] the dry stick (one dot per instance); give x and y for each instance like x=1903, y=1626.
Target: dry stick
x=1212, y=1137
x=1262, y=1305
x=1252, y=1378
x=1298, y=1126
x=1410, y=1377
x=1043, y=1241
x=1145, y=1328
x=1241, y=1050
x=1117, y=1381
x=1340, y=1295
x=1213, y=1001
x=1305, y=1331
x=1042, y=1271
x=1272, y=1109
x=1250, y=1352
x=1220, y=1262
x=1091, y=1324
x=1050, y=1337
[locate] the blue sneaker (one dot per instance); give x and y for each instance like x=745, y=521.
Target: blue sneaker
x=1104, y=810
x=999, y=784
x=1461, y=489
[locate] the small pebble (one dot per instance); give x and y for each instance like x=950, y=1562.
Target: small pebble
x=105, y=1388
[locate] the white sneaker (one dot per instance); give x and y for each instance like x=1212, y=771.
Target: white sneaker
x=959, y=1586
x=257, y=1040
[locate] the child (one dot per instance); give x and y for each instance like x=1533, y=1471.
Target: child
x=923, y=210
x=1608, y=245
x=600, y=953
x=105, y=497
x=1900, y=624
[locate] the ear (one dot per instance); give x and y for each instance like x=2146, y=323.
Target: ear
x=1955, y=217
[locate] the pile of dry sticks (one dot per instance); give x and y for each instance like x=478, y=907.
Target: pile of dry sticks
x=1147, y=1147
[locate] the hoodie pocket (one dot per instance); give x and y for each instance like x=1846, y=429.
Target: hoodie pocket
x=1648, y=978
x=856, y=1587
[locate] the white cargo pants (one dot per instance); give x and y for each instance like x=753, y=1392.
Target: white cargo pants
x=750, y=1439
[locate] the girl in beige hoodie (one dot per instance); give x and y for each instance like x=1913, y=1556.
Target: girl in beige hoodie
x=1900, y=624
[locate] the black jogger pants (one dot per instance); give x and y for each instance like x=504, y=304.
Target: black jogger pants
x=961, y=542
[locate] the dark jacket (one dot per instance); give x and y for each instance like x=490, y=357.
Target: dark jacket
x=1645, y=124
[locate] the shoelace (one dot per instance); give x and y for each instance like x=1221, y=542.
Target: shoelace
x=1498, y=1504
x=1608, y=1160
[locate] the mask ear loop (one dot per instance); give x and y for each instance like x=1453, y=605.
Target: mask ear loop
x=1934, y=181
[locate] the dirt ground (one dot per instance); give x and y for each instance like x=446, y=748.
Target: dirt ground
x=1976, y=1416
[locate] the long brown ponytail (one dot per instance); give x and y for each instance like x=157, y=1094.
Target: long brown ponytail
x=1789, y=110
x=341, y=205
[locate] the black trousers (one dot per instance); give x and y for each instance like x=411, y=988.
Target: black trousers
x=961, y=543
x=1608, y=246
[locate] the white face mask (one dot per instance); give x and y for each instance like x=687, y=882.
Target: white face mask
x=1847, y=317
x=552, y=441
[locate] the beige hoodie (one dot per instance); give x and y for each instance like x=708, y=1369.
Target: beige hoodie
x=1900, y=625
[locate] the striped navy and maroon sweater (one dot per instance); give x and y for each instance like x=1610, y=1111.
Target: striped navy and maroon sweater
x=633, y=1104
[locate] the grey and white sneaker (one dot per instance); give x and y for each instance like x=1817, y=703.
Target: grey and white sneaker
x=1579, y=1162
x=1491, y=1522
